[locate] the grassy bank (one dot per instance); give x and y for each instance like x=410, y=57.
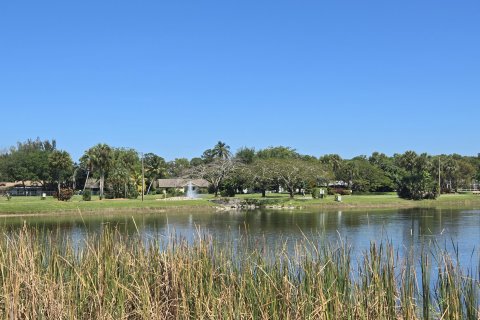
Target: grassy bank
x=152, y=203
x=28, y=205
x=115, y=277
x=389, y=200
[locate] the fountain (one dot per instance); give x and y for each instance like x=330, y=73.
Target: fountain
x=191, y=193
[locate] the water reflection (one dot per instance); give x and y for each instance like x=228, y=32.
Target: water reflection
x=406, y=228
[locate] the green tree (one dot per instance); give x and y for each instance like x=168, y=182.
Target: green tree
x=61, y=167
x=295, y=174
x=100, y=157
x=221, y=150
x=122, y=174
x=260, y=175
x=245, y=155
x=214, y=172
x=28, y=161
x=361, y=175
x=279, y=152
x=418, y=179
x=334, y=162
x=177, y=167
x=155, y=168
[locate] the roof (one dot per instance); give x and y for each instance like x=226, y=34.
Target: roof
x=92, y=183
x=180, y=183
x=5, y=185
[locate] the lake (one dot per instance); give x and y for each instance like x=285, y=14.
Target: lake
x=406, y=229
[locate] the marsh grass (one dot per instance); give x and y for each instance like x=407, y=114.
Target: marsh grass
x=115, y=276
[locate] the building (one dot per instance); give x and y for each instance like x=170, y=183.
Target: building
x=93, y=185
x=28, y=188
x=181, y=184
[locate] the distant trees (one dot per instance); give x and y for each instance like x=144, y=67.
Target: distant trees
x=177, y=167
x=363, y=176
x=61, y=167
x=122, y=179
x=28, y=161
x=299, y=174
x=215, y=172
x=155, y=168
x=412, y=175
x=260, y=175
x=279, y=152
x=217, y=166
x=245, y=155
x=417, y=177
x=100, y=157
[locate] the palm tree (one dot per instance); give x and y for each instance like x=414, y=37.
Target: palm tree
x=155, y=167
x=221, y=150
x=100, y=157
x=61, y=166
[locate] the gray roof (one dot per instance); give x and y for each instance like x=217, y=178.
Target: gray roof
x=92, y=183
x=181, y=183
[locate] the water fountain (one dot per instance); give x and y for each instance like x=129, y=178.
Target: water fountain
x=191, y=193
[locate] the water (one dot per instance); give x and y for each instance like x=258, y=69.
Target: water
x=406, y=229
x=191, y=193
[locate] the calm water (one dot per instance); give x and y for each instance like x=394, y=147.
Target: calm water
x=406, y=228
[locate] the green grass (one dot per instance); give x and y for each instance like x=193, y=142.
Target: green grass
x=113, y=276
x=29, y=205
x=36, y=205
x=390, y=200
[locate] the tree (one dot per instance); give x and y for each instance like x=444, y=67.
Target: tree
x=279, y=152
x=418, y=178
x=333, y=161
x=122, y=174
x=295, y=174
x=100, y=157
x=28, y=161
x=245, y=155
x=361, y=175
x=221, y=150
x=155, y=168
x=61, y=167
x=214, y=172
x=177, y=167
x=196, y=162
x=260, y=175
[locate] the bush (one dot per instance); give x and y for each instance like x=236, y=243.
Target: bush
x=173, y=192
x=87, y=195
x=340, y=191
x=316, y=193
x=227, y=192
x=65, y=194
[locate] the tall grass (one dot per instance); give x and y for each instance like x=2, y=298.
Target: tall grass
x=114, y=276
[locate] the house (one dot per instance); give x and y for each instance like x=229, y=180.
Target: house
x=181, y=184
x=17, y=188
x=93, y=185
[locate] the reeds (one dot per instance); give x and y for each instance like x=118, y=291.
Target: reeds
x=114, y=276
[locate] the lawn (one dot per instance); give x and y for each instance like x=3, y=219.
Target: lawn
x=36, y=205
x=28, y=205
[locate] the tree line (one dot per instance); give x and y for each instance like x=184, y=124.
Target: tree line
x=119, y=170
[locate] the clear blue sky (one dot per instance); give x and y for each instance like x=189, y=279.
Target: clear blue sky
x=174, y=77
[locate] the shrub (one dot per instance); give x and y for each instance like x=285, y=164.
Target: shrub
x=316, y=193
x=227, y=192
x=87, y=195
x=64, y=195
x=340, y=191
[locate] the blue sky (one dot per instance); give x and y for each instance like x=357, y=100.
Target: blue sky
x=174, y=77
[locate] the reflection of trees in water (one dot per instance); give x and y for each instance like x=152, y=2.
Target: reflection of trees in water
x=406, y=227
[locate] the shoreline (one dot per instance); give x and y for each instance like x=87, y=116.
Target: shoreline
x=35, y=207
